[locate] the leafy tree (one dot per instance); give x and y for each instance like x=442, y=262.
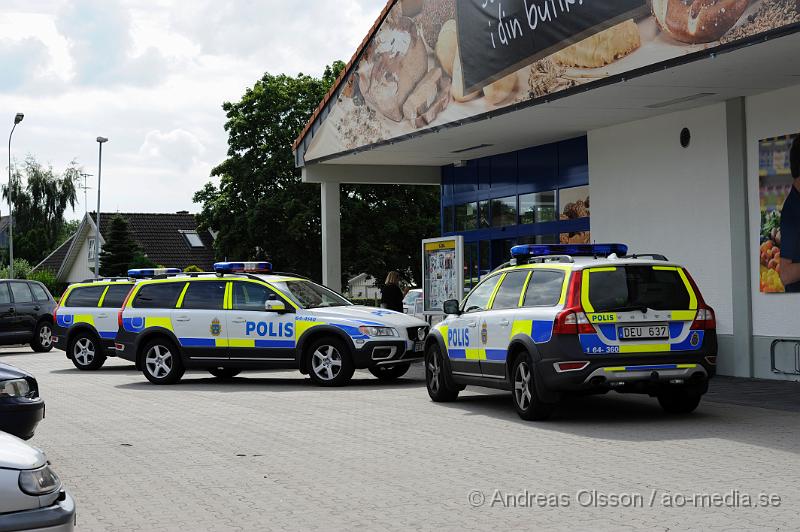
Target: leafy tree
x=119, y=250
x=140, y=260
x=261, y=209
x=192, y=269
x=40, y=198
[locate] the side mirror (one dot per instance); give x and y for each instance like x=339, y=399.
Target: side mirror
x=451, y=307
x=274, y=305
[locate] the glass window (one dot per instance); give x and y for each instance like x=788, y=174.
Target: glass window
x=21, y=292
x=504, y=211
x=485, y=252
x=5, y=295
x=193, y=239
x=510, y=290
x=537, y=208
x=86, y=296
x=39, y=293
x=311, y=295
x=449, y=225
x=637, y=287
x=545, y=288
x=251, y=296
x=91, y=248
x=467, y=217
x=116, y=295
x=204, y=295
x=158, y=295
x=540, y=239
x=484, y=219
x=471, y=276
x=479, y=298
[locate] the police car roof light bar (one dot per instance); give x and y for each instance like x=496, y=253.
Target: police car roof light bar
x=243, y=267
x=527, y=251
x=153, y=272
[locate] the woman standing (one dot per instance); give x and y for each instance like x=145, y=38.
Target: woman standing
x=391, y=293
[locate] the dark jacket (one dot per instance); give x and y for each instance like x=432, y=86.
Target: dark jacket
x=392, y=297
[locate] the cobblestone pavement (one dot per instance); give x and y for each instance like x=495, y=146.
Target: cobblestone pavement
x=272, y=451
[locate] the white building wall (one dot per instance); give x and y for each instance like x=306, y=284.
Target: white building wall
x=649, y=192
x=769, y=115
x=81, y=268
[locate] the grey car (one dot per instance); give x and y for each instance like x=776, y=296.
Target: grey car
x=32, y=496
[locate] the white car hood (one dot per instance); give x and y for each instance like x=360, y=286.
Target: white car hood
x=16, y=454
x=361, y=315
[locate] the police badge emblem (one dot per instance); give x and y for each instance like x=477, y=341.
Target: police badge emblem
x=695, y=339
x=216, y=328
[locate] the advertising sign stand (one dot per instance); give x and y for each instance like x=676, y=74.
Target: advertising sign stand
x=442, y=273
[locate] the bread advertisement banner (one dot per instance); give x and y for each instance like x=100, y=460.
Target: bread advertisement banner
x=437, y=62
x=779, y=194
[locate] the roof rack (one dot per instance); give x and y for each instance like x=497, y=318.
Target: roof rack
x=654, y=256
x=107, y=280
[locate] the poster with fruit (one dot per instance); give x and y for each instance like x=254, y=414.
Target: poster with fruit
x=775, y=183
x=432, y=63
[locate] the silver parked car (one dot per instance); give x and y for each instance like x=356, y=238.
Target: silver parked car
x=31, y=494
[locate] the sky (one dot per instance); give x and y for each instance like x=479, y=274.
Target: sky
x=151, y=75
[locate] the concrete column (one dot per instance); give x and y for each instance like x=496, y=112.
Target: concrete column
x=331, y=237
x=737, y=359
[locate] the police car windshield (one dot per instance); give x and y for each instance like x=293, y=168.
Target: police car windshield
x=311, y=295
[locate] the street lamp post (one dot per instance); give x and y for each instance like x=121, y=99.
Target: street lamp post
x=17, y=119
x=100, y=141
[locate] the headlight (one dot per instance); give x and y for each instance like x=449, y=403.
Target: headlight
x=39, y=481
x=377, y=331
x=14, y=388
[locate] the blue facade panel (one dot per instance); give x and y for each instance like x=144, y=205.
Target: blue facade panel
x=492, y=186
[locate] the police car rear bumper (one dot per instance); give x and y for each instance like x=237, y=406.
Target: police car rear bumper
x=632, y=373
x=59, y=337
x=385, y=353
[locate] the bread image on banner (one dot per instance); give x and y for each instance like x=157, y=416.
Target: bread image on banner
x=602, y=48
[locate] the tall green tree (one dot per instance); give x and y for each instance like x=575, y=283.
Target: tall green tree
x=40, y=197
x=120, y=249
x=261, y=208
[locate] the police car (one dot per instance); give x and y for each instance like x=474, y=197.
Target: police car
x=86, y=319
x=577, y=319
x=245, y=317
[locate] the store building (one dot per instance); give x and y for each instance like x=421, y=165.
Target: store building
x=563, y=122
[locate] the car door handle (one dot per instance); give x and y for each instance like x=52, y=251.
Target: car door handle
x=504, y=323
x=472, y=324
x=182, y=318
x=238, y=320
x=37, y=307
x=101, y=316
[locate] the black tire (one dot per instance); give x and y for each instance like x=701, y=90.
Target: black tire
x=161, y=362
x=224, y=373
x=679, y=401
x=523, y=391
x=85, y=351
x=330, y=362
x=439, y=388
x=42, y=337
x=390, y=373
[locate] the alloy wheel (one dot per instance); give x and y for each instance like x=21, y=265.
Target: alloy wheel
x=45, y=336
x=326, y=362
x=522, y=386
x=434, y=370
x=158, y=361
x=83, y=352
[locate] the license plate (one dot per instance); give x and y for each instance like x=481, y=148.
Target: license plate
x=419, y=347
x=643, y=332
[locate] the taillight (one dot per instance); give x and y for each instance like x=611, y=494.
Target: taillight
x=124, y=304
x=55, y=312
x=572, y=320
x=705, y=319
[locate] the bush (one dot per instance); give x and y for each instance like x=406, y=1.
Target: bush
x=22, y=269
x=192, y=269
x=48, y=278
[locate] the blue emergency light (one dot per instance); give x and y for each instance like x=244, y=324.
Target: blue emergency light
x=575, y=250
x=152, y=272
x=243, y=267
